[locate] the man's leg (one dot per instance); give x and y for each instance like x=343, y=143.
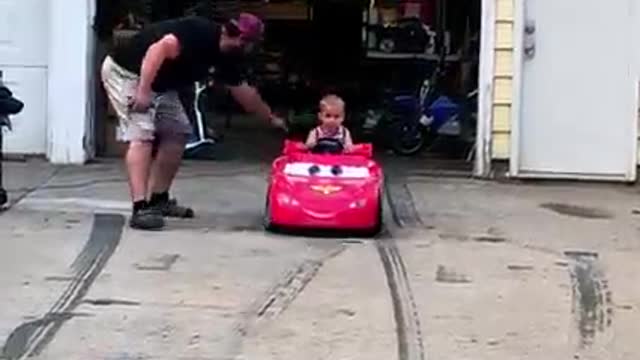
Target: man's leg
x=165, y=165
x=138, y=160
x=138, y=131
x=173, y=131
x=187, y=96
x=164, y=169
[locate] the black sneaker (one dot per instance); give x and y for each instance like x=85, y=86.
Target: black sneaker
x=147, y=219
x=172, y=209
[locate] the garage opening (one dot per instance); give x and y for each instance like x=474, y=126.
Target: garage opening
x=407, y=69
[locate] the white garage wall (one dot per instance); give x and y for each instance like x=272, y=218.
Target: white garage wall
x=24, y=27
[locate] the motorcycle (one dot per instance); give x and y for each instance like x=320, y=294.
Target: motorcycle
x=409, y=122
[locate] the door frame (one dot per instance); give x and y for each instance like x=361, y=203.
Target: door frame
x=516, y=106
x=516, y=112
x=486, y=84
x=70, y=63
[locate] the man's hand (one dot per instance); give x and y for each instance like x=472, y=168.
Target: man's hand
x=278, y=122
x=166, y=48
x=249, y=98
x=141, y=102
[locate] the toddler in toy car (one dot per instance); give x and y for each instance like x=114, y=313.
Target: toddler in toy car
x=331, y=117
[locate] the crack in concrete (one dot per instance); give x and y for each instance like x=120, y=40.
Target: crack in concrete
x=161, y=263
x=111, y=302
x=25, y=193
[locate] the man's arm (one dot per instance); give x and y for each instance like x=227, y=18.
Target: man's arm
x=166, y=48
x=249, y=98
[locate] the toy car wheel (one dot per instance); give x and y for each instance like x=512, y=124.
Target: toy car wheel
x=377, y=227
x=266, y=217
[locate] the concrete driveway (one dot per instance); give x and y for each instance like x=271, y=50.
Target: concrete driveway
x=470, y=270
x=79, y=284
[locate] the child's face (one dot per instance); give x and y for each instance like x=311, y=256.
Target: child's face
x=331, y=116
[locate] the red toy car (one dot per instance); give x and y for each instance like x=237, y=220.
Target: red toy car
x=325, y=189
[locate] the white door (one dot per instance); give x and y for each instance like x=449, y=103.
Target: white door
x=578, y=107
x=23, y=60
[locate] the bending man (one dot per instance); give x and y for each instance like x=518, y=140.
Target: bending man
x=142, y=79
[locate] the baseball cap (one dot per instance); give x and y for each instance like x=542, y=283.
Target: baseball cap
x=250, y=26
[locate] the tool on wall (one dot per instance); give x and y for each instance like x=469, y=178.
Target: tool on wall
x=529, y=38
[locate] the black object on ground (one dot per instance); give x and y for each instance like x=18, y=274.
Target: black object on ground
x=9, y=105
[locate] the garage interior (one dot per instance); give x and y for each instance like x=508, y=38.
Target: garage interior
x=376, y=55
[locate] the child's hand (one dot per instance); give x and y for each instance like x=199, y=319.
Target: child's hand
x=348, y=148
x=311, y=141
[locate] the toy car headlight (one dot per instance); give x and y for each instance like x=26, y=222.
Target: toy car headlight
x=358, y=204
x=284, y=199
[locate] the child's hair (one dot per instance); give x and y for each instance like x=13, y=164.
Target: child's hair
x=331, y=100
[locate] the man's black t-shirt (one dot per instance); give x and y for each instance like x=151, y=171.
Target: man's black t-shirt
x=199, y=41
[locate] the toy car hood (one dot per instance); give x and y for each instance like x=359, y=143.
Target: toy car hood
x=336, y=191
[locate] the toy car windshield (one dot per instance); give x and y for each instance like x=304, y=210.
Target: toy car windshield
x=330, y=171
x=295, y=147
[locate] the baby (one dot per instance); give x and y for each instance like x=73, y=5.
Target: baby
x=331, y=116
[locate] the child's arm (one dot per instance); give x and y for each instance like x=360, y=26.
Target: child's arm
x=311, y=139
x=348, y=142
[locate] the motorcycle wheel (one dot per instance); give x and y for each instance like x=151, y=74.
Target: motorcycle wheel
x=407, y=139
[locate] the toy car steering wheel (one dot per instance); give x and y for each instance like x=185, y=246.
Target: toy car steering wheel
x=328, y=146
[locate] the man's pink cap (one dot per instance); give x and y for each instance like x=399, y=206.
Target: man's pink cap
x=251, y=27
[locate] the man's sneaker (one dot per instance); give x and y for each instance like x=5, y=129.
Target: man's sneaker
x=147, y=219
x=172, y=209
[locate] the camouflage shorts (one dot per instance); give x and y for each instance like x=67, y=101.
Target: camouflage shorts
x=165, y=119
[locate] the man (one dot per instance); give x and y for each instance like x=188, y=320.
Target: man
x=142, y=78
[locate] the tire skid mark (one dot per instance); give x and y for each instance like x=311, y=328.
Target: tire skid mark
x=592, y=301
x=30, y=338
x=282, y=294
x=408, y=327
x=401, y=204
x=403, y=214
